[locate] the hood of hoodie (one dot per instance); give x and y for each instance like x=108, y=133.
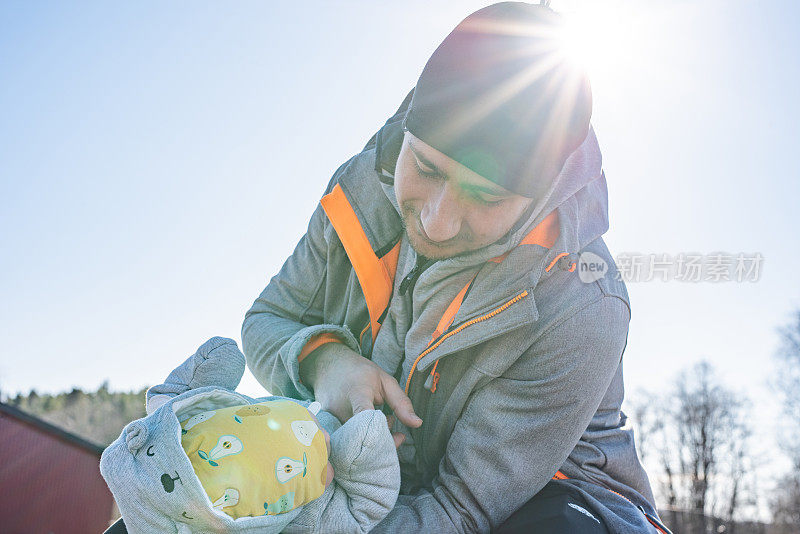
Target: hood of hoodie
x=579, y=194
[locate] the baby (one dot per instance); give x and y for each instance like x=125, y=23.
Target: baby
x=207, y=459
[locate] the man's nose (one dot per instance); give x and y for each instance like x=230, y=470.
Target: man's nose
x=441, y=215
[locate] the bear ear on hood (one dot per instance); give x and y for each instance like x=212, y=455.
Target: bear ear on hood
x=135, y=436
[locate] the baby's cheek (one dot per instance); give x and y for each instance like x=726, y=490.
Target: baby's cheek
x=327, y=440
x=327, y=475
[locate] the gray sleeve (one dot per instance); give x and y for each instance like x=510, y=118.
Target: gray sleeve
x=218, y=362
x=282, y=319
x=366, y=479
x=518, y=430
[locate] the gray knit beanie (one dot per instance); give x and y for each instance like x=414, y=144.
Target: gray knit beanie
x=499, y=96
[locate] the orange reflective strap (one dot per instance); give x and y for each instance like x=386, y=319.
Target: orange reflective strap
x=545, y=234
x=389, y=261
x=451, y=311
x=444, y=324
x=376, y=275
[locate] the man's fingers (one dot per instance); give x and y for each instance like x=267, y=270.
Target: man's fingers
x=360, y=401
x=399, y=402
x=399, y=438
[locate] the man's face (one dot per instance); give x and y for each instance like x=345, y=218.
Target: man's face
x=447, y=208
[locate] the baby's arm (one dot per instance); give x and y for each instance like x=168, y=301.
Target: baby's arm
x=218, y=362
x=366, y=479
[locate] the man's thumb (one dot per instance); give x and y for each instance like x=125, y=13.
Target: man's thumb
x=400, y=403
x=360, y=402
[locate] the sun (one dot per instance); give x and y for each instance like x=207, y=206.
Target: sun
x=599, y=36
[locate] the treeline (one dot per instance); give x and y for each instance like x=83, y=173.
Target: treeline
x=97, y=416
x=698, y=442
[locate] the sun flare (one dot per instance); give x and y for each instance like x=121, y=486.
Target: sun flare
x=599, y=36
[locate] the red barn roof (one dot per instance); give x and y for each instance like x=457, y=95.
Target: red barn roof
x=51, y=479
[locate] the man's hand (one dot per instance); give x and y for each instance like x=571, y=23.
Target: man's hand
x=347, y=383
x=398, y=437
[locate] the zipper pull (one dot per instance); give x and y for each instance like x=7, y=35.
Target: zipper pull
x=429, y=382
x=433, y=379
x=566, y=263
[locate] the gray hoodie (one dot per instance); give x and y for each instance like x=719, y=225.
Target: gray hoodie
x=157, y=491
x=530, y=374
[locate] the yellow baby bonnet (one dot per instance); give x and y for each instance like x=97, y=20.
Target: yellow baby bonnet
x=257, y=459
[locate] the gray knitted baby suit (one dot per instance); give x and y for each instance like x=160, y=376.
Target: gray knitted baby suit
x=157, y=490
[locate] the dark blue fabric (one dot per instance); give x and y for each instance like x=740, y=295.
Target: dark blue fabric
x=117, y=528
x=555, y=510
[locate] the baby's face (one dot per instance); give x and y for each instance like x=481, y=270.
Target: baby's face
x=329, y=470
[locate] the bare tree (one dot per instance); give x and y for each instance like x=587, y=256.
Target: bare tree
x=788, y=381
x=785, y=510
x=705, y=419
x=697, y=438
x=649, y=420
x=739, y=483
x=786, y=503
x=652, y=444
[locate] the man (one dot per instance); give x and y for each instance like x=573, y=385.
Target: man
x=439, y=278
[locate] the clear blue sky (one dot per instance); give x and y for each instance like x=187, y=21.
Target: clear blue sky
x=158, y=162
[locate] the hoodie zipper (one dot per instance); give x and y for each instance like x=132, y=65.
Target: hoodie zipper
x=410, y=280
x=453, y=331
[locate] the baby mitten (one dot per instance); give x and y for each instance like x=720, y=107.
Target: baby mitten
x=218, y=362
